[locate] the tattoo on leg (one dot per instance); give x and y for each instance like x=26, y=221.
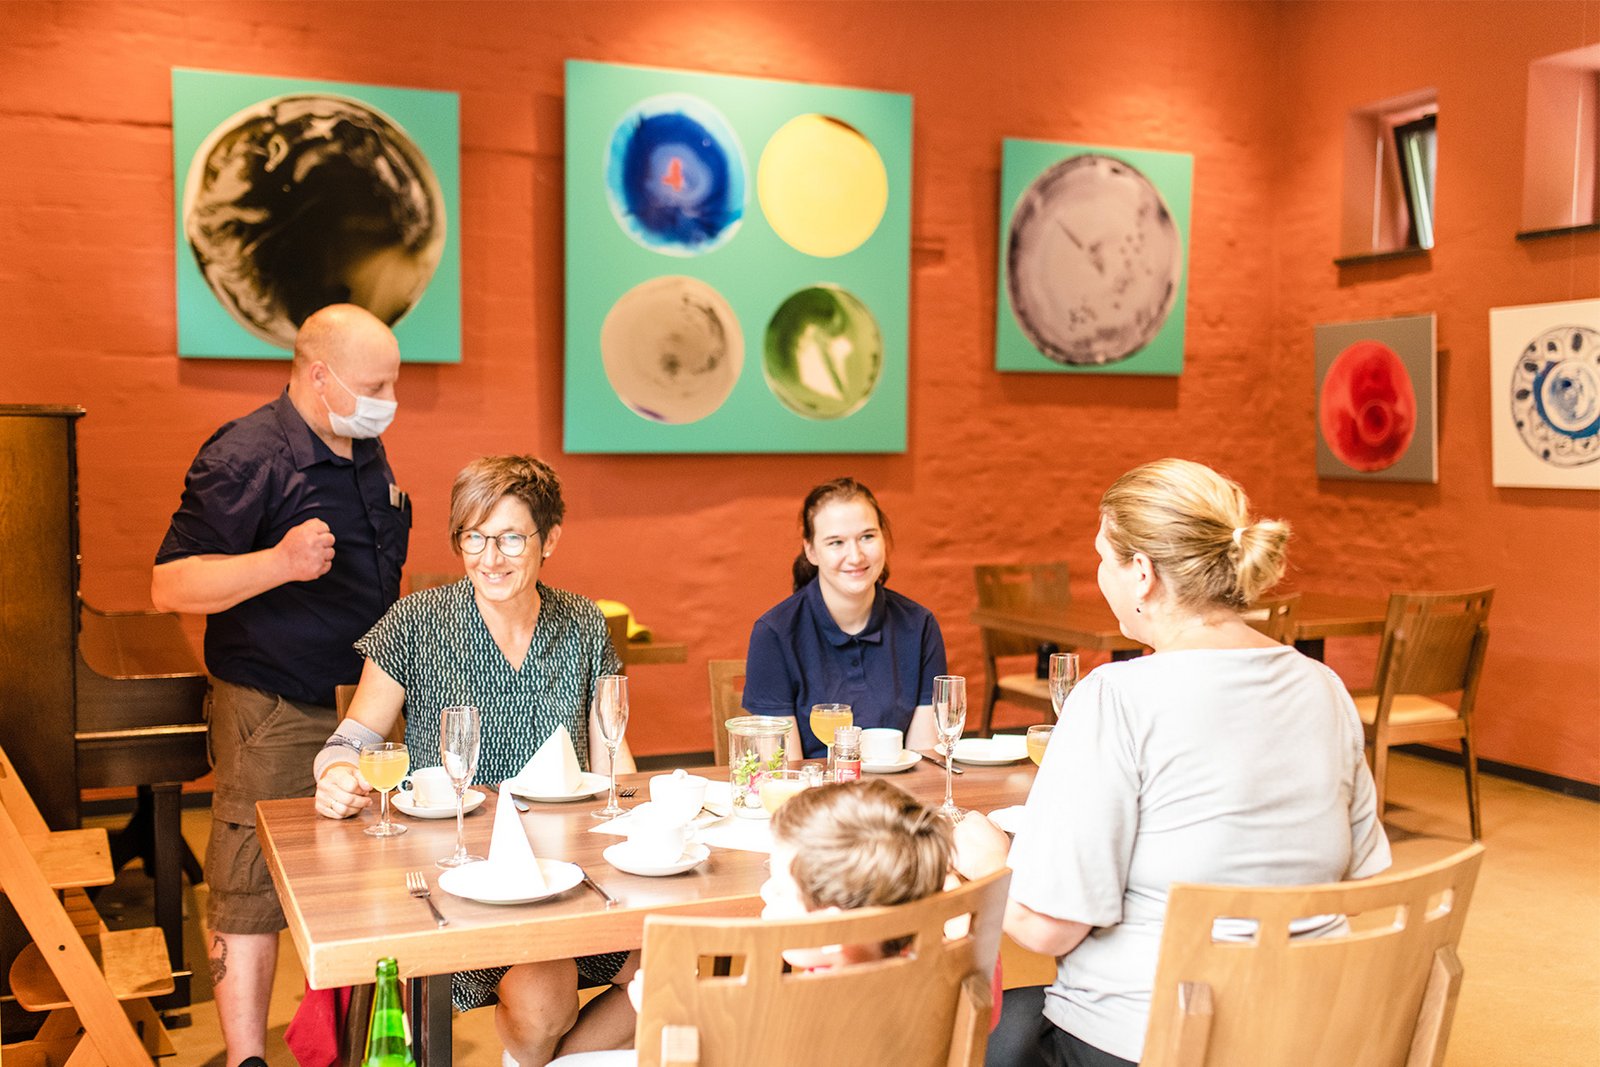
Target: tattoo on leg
x=219, y=960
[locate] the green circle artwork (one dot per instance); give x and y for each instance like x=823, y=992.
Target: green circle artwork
x=823, y=353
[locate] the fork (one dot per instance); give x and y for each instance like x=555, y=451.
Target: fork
x=417, y=886
x=627, y=792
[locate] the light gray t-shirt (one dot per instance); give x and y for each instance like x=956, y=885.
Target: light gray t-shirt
x=1227, y=766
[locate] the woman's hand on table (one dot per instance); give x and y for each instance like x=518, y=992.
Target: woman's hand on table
x=981, y=847
x=341, y=792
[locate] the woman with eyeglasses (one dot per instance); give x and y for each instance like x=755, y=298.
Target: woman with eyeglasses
x=527, y=656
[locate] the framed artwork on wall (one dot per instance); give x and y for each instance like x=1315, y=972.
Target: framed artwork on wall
x=738, y=264
x=1544, y=394
x=1094, y=256
x=293, y=194
x=1377, y=400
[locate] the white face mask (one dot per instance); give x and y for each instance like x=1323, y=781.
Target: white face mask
x=372, y=416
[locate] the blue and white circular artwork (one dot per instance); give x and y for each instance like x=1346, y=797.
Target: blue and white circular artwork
x=676, y=175
x=1555, y=396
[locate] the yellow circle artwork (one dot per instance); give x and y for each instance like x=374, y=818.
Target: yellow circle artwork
x=822, y=185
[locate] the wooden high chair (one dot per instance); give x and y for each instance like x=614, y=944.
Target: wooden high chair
x=95, y=983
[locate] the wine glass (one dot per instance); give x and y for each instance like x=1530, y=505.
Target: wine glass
x=460, y=733
x=1063, y=676
x=825, y=722
x=949, y=719
x=610, y=707
x=1038, y=741
x=383, y=765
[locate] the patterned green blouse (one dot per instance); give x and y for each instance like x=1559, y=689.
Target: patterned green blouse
x=437, y=646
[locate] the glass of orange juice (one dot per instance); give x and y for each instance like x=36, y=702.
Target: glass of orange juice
x=1038, y=741
x=825, y=719
x=779, y=786
x=383, y=765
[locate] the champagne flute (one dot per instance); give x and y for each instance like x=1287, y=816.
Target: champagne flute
x=383, y=765
x=1063, y=676
x=460, y=733
x=949, y=719
x=610, y=707
x=825, y=721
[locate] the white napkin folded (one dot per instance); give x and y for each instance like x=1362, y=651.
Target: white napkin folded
x=510, y=851
x=553, y=770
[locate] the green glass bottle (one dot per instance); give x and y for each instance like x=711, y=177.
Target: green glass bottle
x=388, y=1035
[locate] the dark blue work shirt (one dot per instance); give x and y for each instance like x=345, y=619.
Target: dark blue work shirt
x=799, y=657
x=256, y=479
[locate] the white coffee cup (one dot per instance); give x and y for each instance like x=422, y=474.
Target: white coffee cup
x=882, y=745
x=430, y=787
x=678, y=796
x=656, y=838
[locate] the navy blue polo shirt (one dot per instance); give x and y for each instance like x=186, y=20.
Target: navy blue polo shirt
x=256, y=479
x=799, y=657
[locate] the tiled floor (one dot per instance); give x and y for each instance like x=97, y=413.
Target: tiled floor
x=1532, y=987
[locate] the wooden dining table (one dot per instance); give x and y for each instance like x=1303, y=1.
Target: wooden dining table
x=347, y=906
x=1088, y=624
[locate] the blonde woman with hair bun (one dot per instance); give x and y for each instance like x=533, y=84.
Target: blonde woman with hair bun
x=1224, y=757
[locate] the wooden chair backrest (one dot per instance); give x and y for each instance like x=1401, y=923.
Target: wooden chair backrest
x=727, y=695
x=344, y=694
x=1434, y=642
x=1380, y=996
x=617, y=630
x=417, y=581
x=928, y=1006
x=1277, y=617
x=1019, y=585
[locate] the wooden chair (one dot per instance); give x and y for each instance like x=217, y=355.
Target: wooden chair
x=417, y=581
x=1277, y=617
x=727, y=695
x=95, y=983
x=344, y=694
x=1433, y=644
x=938, y=989
x=1380, y=996
x=1016, y=585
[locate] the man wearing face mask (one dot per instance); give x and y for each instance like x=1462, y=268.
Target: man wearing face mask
x=289, y=538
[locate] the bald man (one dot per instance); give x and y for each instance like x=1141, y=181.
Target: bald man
x=289, y=539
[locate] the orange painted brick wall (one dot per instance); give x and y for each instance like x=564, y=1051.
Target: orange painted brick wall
x=1000, y=467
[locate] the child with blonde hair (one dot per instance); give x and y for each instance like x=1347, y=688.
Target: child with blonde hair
x=837, y=847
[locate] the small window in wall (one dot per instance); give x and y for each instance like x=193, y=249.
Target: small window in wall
x=1559, y=191
x=1390, y=163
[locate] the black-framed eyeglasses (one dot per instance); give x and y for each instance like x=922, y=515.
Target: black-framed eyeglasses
x=510, y=544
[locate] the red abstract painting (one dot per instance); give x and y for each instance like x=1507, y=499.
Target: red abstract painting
x=1368, y=408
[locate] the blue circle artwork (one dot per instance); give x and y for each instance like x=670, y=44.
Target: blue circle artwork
x=675, y=175
x=1555, y=396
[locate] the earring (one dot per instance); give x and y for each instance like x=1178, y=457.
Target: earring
x=1139, y=610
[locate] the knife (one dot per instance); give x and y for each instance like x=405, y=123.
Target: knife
x=939, y=763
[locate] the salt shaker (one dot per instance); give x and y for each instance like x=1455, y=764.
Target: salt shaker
x=847, y=754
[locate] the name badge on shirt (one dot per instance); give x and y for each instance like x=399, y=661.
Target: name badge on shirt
x=397, y=496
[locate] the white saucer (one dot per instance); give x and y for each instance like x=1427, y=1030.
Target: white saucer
x=620, y=856
x=401, y=799
x=992, y=751
x=591, y=784
x=487, y=884
x=705, y=818
x=908, y=759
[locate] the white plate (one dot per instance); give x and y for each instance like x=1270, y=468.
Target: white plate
x=1008, y=819
x=620, y=856
x=908, y=759
x=992, y=751
x=591, y=785
x=401, y=799
x=485, y=883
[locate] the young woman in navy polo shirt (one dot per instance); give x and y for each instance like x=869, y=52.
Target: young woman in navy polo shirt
x=844, y=637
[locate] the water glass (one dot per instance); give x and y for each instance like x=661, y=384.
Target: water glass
x=1063, y=676
x=610, y=708
x=949, y=719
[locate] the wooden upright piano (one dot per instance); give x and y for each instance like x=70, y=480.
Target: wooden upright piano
x=89, y=699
